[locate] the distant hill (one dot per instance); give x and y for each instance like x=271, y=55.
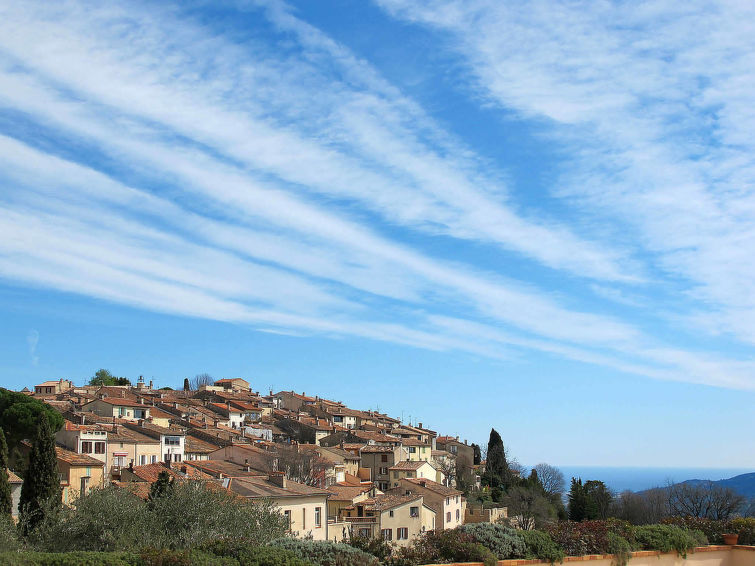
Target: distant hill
x=743, y=484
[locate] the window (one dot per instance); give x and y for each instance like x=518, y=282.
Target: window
x=384, y=458
x=99, y=447
x=402, y=533
x=390, y=513
x=414, y=511
x=458, y=514
x=412, y=450
x=176, y=457
x=365, y=533
x=318, y=517
x=287, y=515
x=448, y=517
x=457, y=499
x=395, y=475
x=448, y=500
x=154, y=458
x=172, y=441
x=142, y=460
x=383, y=471
x=387, y=534
x=86, y=447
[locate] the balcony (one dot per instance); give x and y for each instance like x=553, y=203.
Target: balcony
x=360, y=520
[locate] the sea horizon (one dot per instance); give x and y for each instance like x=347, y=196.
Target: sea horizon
x=639, y=478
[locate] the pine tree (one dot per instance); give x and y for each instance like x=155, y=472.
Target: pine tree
x=6, y=501
x=41, y=489
x=577, y=507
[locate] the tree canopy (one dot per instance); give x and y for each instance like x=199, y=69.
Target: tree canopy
x=6, y=501
x=591, y=500
x=19, y=416
x=40, y=492
x=104, y=377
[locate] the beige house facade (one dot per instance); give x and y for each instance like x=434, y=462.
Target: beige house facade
x=397, y=519
x=129, y=448
x=413, y=469
x=448, y=503
x=78, y=473
x=305, y=507
x=118, y=408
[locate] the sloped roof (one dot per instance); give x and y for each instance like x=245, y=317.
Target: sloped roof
x=262, y=487
x=347, y=492
x=409, y=465
x=196, y=445
x=149, y=472
x=433, y=486
x=74, y=459
x=12, y=477
x=389, y=501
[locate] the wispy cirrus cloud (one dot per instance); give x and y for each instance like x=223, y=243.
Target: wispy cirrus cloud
x=32, y=340
x=185, y=171
x=651, y=103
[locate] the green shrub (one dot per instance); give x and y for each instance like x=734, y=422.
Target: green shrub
x=9, y=540
x=713, y=530
x=443, y=546
x=502, y=541
x=378, y=547
x=324, y=553
x=667, y=538
x=540, y=545
x=69, y=559
x=251, y=555
x=590, y=537
x=190, y=514
x=620, y=548
x=744, y=527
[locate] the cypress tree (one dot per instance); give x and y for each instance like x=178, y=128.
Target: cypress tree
x=161, y=487
x=497, y=473
x=6, y=501
x=187, y=387
x=41, y=489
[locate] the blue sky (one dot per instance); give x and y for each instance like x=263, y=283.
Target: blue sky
x=535, y=217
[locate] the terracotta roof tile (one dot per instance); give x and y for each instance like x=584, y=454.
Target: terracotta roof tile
x=74, y=459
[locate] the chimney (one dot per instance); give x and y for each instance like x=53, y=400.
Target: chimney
x=150, y=384
x=278, y=478
x=83, y=419
x=228, y=405
x=420, y=425
x=457, y=439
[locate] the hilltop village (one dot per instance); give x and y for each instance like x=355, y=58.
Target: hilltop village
x=330, y=469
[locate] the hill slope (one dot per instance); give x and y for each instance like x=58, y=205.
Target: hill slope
x=743, y=484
